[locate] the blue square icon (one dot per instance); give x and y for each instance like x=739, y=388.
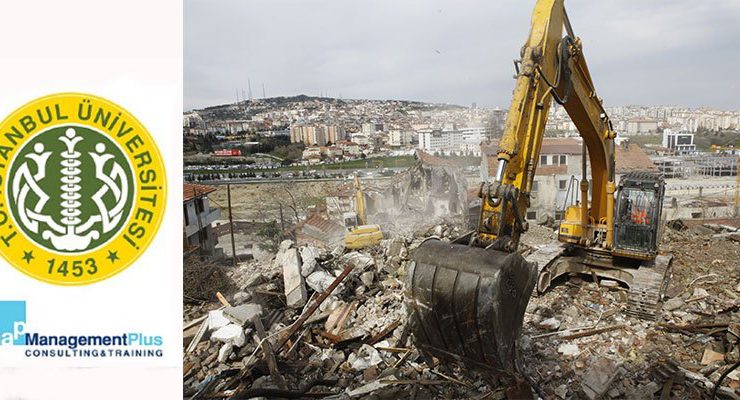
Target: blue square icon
x=12, y=322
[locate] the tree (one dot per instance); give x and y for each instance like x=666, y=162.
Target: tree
x=272, y=233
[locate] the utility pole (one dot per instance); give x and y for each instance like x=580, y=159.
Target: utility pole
x=282, y=219
x=231, y=224
x=263, y=91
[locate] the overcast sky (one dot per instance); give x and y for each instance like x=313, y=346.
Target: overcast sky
x=683, y=52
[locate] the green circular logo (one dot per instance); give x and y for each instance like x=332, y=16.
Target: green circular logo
x=70, y=189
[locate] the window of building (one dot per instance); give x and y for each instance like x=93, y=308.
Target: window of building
x=531, y=214
x=535, y=186
x=185, y=211
x=555, y=160
x=543, y=160
x=563, y=160
x=563, y=184
x=199, y=205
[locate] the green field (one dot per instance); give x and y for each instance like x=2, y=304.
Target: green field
x=369, y=163
x=379, y=162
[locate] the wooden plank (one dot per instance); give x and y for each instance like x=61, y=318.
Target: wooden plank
x=222, y=299
x=269, y=354
x=198, y=336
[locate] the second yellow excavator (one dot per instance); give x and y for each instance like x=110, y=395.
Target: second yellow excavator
x=467, y=299
x=360, y=234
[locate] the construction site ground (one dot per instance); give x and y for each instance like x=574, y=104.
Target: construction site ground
x=576, y=341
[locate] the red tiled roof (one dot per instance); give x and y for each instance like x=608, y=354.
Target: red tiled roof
x=561, y=146
x=193, y=190
x=322, y=224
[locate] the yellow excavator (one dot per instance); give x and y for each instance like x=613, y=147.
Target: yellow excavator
x=360, y=234
x=467, y=299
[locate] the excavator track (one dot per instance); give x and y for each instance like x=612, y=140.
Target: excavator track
x=648, y=287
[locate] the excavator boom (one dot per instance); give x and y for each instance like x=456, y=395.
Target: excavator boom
x=467, y=299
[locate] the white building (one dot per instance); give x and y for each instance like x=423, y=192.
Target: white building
x=398, y=137
x=642, y=126
x=680, y=143
x=442, y=141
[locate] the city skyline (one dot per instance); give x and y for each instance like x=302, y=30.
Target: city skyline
x=440, y=52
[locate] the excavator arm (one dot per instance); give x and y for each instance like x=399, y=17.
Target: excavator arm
x=552, y=66
x=467, y=299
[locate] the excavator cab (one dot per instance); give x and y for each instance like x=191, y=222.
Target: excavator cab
x=639, y=204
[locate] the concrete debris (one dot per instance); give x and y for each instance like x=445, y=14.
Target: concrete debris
x=217, y=320
x=673, y=304
x=562, y=391
x=551, y=324
x=295, y=286
x=240, y=298
x=309, y=256
x=319, y=280
x=231, y=333
x=369, y=388
x=225, y=352
x=365, y=358
x=359, y=260
x=367, y=278
x=598, y=377
x=242, y=314
x=568, y=349
x=645, y=392
x=253, y=280
x=576, y=341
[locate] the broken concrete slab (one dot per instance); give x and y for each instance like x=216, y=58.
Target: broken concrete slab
x=254, y=280
x=561, y=391
x=365, y=358
x=358, y=260
x=551, y=324
x=599, y=376
x=369, y=388
x=242, y=314
x=217, y=320
x=225, y=352
x=231, y=333
x=568, y=349
x=673, y=304
x=240, y=298
x=285, y=245
x=367, y=278
x=309, y=256
x=295, y=286
x=319, y=280
x=645, y=392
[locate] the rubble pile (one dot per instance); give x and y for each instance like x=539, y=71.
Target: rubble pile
x=330, y=323
x=578, y=342
x=202, y=280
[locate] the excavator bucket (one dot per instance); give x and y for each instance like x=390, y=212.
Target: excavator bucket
x=467, y=304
